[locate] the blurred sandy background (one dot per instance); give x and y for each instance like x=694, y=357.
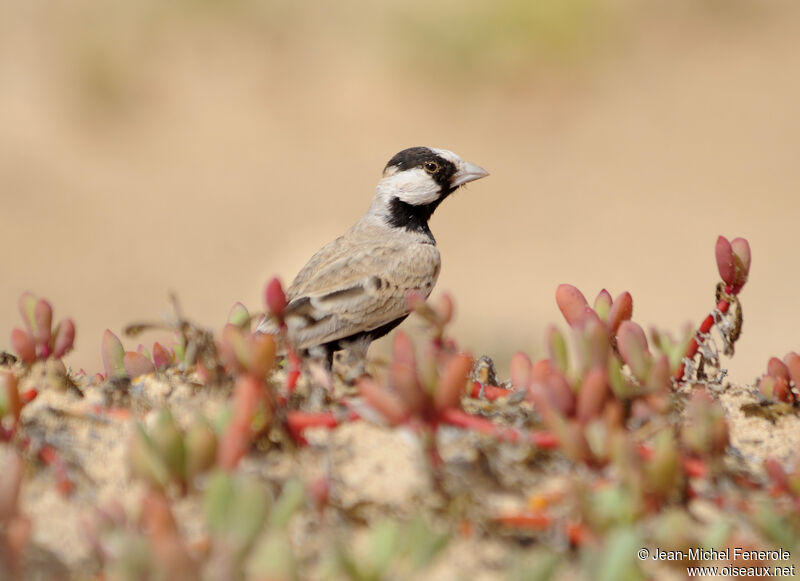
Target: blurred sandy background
x=202, y=146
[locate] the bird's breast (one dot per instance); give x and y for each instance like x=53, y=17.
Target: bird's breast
x=416, y=267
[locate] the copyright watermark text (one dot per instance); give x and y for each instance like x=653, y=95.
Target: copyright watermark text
x=740, y=556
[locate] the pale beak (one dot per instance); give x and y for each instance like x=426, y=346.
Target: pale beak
x=468, y=172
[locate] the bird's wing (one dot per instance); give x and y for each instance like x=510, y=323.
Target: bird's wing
x=342, y=293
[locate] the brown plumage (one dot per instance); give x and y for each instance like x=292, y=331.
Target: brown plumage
x=354, y=289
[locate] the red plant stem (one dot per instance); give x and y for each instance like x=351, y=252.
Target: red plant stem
x=28, y=395
x=51, y=457
x=695, y=467
x=722, y=306
x=297, y=422
x=490, y=392
x=526, y=520
x=293, y=371
x=577, y=533
x=462, y=419
x=117, y=413
x=645, y=452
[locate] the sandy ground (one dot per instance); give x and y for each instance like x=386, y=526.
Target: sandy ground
x=373, y=472
x=144, y=152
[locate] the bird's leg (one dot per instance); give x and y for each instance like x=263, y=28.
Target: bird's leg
x=329, y=351
x=351, y=361
x=321, y=354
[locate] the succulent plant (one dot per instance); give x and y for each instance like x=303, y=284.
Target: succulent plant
x=437, y=315
x=15, y=528
x=704, y=431
x=162, y=454
x=250, y=357
x=417, y=394
x=420, y=395
x=275, y=298
x=39, y=340
x=641, y=458
x=782, y=379
x=235, y=509
x=10, y=404
x=400, y=550
x=616, y=558
x=576, y=310
x=239, y=316
x=194, y=347
x=119, y=363
x=148, y=548
x=252, y=414
x=273, y=556
x=733, y=263
x=243, y=352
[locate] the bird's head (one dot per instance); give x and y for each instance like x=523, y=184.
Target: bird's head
x=416, y=180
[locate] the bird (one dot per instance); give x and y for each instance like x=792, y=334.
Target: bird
x=354, y=289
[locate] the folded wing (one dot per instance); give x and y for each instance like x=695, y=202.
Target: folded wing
x=342, y=293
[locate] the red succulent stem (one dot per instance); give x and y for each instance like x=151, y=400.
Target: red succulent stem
x=490, y=392
x=462, y=419
x=577, y=533
x=536, y=521
x=722, y=306
x=695, y=467
x=293, y=371
x=52, y=458
x=28, y=395
x=297, y=422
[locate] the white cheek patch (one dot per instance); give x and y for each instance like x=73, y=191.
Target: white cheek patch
x=413, y=186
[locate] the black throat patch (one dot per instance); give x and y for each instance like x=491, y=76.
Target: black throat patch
x=412, y=218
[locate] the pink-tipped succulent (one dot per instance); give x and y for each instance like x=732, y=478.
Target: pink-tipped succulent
x=733, y=262
x=10, y=404
x=39, y=340
x=235, y=510
x=162, y=357
x=704, y=432
x=195, y=347
x=239, y=316
x=411, y=396
x=253, y=413
x=612, y=318
x=567, y=407
x=15, y=528
x=243, y=352
x=147, y=547
x=437, y=314
x=782, y=379
x=575, y=308
x=250, y=357
x=162, y=453
x=426, y=392
x=651, y=371
x=586, y=405
x=419, y=395
x=275, y=299
x=785, y=478
x=119, y=364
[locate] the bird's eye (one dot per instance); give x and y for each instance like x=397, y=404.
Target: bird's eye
x=431, y=166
